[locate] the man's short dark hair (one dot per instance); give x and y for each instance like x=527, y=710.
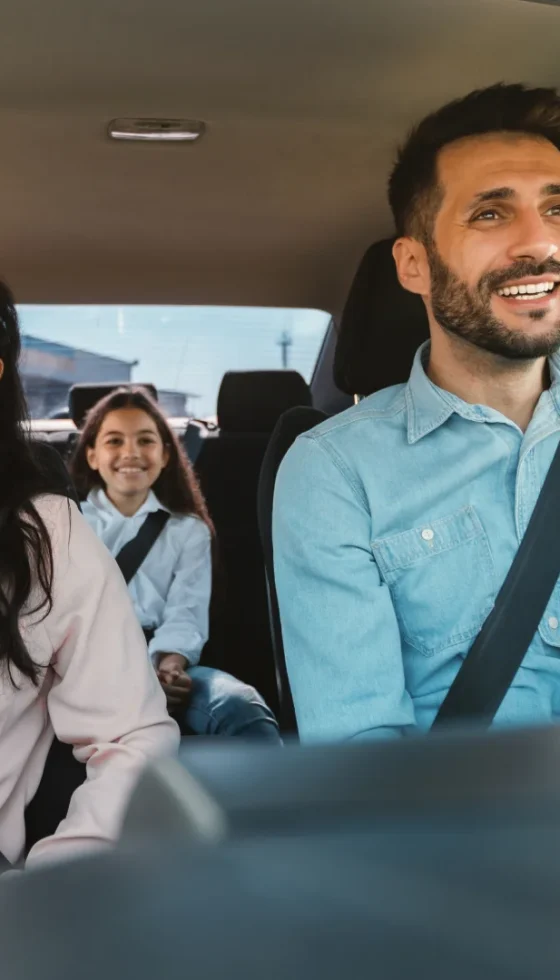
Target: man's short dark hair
x=414, y=194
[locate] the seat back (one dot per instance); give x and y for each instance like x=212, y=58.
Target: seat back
x=289, y=426
x=423, y=856
x=82, y=397
x=228, y=467
x=64, y=442
x=53, y=469
x=381, y=328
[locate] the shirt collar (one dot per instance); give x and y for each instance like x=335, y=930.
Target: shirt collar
x=150, y=505
x=428, y=406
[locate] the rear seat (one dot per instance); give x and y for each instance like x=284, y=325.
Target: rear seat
x=227, y=461
x=53, y=467
x=228, y=467
x=63, y=441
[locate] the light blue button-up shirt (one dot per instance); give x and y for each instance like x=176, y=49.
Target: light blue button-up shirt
x=395, y=524
x=171, y=589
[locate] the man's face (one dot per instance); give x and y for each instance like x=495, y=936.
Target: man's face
x=494, y=261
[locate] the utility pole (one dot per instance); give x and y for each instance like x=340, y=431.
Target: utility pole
x=285, y=343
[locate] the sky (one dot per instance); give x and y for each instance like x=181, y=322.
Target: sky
x=184, y=348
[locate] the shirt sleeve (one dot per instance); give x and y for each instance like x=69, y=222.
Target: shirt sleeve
x=339, y=627
x=105, y=698
x=184, y=627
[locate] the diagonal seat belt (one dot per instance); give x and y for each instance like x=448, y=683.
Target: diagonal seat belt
x=132, y=554
x=496, y=655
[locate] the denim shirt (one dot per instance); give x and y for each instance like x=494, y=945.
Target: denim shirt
x=395, y=524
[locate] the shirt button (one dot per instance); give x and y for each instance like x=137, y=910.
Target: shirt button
x=428, y=534
x=553, y=623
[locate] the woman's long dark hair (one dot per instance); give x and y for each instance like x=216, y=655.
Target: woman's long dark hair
x=176, y=487
x=26, y=559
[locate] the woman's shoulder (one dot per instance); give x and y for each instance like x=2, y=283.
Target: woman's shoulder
x=65, y=524
x=54, y=508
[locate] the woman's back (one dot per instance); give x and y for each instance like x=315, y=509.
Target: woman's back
x=93, y=688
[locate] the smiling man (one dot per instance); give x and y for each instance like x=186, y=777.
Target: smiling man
x=396, y=522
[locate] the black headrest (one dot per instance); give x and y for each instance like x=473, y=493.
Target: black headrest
x=253, y=401
x=82, y=397
x=52, y=467
x=381, y=329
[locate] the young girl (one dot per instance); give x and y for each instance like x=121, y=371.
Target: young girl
x=127, y=464
x=71, y=652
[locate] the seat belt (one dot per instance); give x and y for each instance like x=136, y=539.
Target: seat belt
x=192, y=441
x=132, y=554
x=496, y=655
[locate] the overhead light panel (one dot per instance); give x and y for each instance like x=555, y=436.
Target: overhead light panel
x=156, y=130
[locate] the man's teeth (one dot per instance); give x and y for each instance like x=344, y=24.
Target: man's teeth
x=534, y=290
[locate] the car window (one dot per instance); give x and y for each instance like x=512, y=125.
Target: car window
x=184, y=351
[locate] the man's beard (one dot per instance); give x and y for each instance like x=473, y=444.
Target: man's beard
x=467, y=313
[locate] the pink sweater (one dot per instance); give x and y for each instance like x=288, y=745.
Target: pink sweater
x=98, y=691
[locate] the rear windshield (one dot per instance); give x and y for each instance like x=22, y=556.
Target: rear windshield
x=184, y=351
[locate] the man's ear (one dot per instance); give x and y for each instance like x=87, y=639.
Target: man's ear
x=413, y=270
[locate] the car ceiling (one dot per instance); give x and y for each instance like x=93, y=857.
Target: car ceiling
x=304, y=101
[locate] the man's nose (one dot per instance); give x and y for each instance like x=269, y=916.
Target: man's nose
x=533, y=242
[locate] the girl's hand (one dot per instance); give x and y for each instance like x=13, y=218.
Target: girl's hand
x=177, y=693
x=172, y=665
x=175, y=682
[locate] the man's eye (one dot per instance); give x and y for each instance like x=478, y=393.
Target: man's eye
x=554, y=211
x=488, y=215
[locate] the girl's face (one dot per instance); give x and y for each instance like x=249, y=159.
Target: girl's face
x=129, y=455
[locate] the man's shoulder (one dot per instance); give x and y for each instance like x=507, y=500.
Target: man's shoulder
x=372, y=429
x=385, y=408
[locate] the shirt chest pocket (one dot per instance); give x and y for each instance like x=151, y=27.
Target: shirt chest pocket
x=441, y=578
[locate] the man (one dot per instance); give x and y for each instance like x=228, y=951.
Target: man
x=397, y=521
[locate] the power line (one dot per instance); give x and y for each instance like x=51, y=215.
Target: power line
x=285, y=342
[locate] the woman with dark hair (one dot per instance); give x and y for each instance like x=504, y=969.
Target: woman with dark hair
x=71, y=659
x=128, y=464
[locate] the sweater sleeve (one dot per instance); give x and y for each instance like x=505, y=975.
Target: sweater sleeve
x=105, y=699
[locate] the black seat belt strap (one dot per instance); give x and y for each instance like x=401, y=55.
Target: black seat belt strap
x=132, y=554
x=496, y=655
